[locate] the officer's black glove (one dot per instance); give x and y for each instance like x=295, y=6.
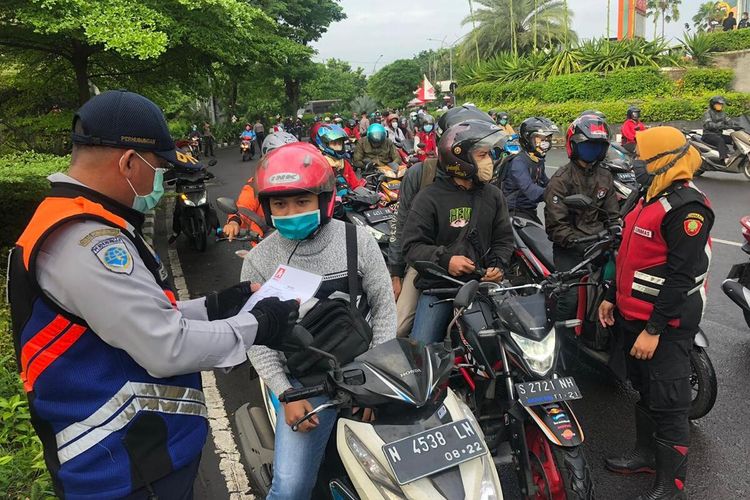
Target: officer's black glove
x=276, y=319
x=227, y=302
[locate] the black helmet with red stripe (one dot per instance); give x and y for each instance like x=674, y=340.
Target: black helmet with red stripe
x=587, y=139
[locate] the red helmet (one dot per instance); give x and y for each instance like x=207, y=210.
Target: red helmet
x=296, y=168
x=589, y=132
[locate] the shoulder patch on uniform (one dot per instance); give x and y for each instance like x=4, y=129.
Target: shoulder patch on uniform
x=114, y=255
x=692, y=226
x=696, y=216
x=107, y=231
x=601, y=193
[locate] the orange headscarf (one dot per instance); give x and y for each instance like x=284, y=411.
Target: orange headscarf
x=668, y=155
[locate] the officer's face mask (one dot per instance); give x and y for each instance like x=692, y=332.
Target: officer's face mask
x=642, y=175
x=592, y=151
x=297, y=226
x=147, y=202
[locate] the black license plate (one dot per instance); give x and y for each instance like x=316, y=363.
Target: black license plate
x=435, y=450
x=378, y=215
x=542, y=392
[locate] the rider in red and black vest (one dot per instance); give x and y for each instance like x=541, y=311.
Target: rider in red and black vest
x=657, y=304
x=109, y=359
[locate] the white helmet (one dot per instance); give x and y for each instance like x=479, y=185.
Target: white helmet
x=276, y=140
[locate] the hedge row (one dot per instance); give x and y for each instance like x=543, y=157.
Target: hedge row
x=623, y=84
x=22, y=184
x=727, y=41
x=653, y=109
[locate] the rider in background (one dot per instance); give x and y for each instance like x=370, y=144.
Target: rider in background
x=352, y=130
x=715, y=121
x=426, y=135
x=249, y=135
x=247, y=198
x=503, y=120
x=523, y=180
x=395, y=133
x=330, y=141
x=376, y=148
x=632, y=125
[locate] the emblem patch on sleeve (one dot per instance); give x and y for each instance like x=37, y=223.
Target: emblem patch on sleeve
x=114, y=255
x=692, y=226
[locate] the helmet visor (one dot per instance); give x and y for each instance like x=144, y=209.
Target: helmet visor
x=495, y=139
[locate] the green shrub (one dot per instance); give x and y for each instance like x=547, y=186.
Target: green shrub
x=48, y=133
x=23, y=473
x=703, y=79
x=22, y=185
x=637, y=82
x=570, y=87
x=727, y=41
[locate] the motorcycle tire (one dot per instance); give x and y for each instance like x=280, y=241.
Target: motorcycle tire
x=198, y=231
x=747, y=318
x=699, y=172
x=703, y=382
x=573, y=479
x=746, y=169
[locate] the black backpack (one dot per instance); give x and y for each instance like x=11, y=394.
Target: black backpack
x=337, y=326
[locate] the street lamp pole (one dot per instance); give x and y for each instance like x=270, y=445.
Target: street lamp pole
x=376, y=63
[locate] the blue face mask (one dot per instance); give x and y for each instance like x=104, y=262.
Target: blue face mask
x=591, y=152
x=298, y=226
x=145, y=203
x=428, y=128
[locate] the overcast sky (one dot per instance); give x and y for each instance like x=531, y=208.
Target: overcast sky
x=398, y=29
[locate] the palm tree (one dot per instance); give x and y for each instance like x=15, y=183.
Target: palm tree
x=670, y=11
x=496, y=29
x=708, y=13
x=654, y=11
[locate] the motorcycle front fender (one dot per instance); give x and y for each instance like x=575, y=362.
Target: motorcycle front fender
x=558, y=423
x=700, y=339
x=739, y=294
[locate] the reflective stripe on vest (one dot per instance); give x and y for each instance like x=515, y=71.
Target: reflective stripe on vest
x=123, y=407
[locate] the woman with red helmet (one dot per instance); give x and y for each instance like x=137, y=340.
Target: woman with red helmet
x=587, y=144
x=295, y=186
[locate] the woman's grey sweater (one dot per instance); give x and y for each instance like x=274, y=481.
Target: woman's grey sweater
x=324, y=255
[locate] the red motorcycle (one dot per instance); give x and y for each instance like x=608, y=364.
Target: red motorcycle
x=737, y=284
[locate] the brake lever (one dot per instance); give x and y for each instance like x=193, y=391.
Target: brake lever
x=313, y=412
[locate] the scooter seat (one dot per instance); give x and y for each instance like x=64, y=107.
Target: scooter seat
x=535, y=237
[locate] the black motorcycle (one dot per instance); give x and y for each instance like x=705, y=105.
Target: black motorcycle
x=360, y=207
x=193, y=214
x=507, y=372
x=737, y=284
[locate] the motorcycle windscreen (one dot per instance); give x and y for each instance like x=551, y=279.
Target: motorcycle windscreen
x=399, y=371
x=524, y=315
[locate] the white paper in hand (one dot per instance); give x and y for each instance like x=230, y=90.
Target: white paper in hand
x=287, y=283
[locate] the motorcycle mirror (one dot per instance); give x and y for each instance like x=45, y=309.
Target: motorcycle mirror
x=578, y=201
x=427, y=267
x=466, y=294
x=212, y=163
x=227, y=205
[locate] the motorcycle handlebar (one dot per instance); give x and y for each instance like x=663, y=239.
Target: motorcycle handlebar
x=441, y=291
x=587, y=239
x=293, y=395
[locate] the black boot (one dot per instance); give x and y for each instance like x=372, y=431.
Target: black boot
x=642, y=458
x=671, y=470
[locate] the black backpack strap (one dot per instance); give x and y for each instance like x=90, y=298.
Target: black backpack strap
x=352, y=267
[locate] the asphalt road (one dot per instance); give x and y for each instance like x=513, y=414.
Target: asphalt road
x=720, y=448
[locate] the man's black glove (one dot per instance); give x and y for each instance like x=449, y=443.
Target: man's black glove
x=228, y=302
x=276, y=319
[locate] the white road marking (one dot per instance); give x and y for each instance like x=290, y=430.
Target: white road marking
x=221, y=432
x=726, y=242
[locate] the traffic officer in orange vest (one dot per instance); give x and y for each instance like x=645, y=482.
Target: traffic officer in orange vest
x=109, y=359
x=657, y=304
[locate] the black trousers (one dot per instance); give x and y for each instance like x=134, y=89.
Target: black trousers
x=719, y=141
x=662, y=381
x=208, y=145
x=260, y=136
x=566, y=259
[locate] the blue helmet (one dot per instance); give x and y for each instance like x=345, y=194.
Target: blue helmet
x=326, y=135
x=376, y=134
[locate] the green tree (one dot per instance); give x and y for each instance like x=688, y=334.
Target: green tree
x=708, y=14
x=530, y=23
x=667, y=10
x=101, y=38
x=303, y=22
x=393, y=85
x=334, y=80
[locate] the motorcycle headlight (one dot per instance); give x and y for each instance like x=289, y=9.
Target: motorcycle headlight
x=378, y=235
x=539, y=355
x=203, y=200
x=370, y=464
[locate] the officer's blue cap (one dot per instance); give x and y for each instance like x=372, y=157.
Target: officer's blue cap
x=122, y=119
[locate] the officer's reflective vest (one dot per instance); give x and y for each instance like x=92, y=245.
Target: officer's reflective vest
x=107, y=426
x=642, y=259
